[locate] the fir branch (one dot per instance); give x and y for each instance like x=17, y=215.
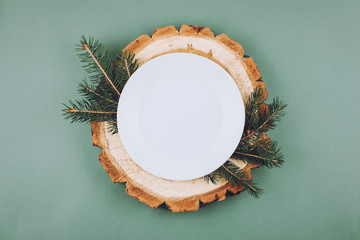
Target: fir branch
x=108, y=76
x=268, y=151
x=264, y=146
x=89, y=50
x=72, y=110
x=212, y=177
x=237, y=176
x=87, y=111
x=251, y=155
x=92, y=90
x=125, y=65
x=255, y=147
x=278, y=106
x=259, y=160
x=260, y=151
x=265, y=121
x=252, y=109
x=112, y=126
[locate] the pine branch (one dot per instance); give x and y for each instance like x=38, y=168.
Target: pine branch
x=252, y=109
x=268, y=151
x=72, y=110
x=264, y=146
x=237, y=176
x=258, y=160
x=212, y=177
x=274, y=113
x=261, y=151
x=125, y=66
x=255, y=147
x=262, y=121
x=95, y=93
x=108, y=77
x=87, y=111
x=89, y=49
x=91, y=92
x=112, y=126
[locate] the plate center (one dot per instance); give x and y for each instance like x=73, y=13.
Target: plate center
x=180, y=116
x=180, y=112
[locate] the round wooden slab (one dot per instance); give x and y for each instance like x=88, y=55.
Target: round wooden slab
x=179, y=196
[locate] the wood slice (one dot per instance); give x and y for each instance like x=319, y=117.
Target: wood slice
x=178, y=196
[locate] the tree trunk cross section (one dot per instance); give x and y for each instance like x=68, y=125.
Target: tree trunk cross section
x=178, y=196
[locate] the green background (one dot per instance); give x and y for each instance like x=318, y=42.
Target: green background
x=52, y=185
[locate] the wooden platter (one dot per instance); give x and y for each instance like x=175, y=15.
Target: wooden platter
x=178, y=196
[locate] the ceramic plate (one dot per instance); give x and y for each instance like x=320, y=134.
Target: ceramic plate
x=180, y=116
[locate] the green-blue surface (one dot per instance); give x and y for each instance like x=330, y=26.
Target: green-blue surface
x=53, y=187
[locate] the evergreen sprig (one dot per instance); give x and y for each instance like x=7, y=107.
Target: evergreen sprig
x=87, y=111
x=231, y=172
x=255, y=146
x=262, y=152
x=107, y=76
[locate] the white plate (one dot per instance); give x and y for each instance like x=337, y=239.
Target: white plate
x=180, y=116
